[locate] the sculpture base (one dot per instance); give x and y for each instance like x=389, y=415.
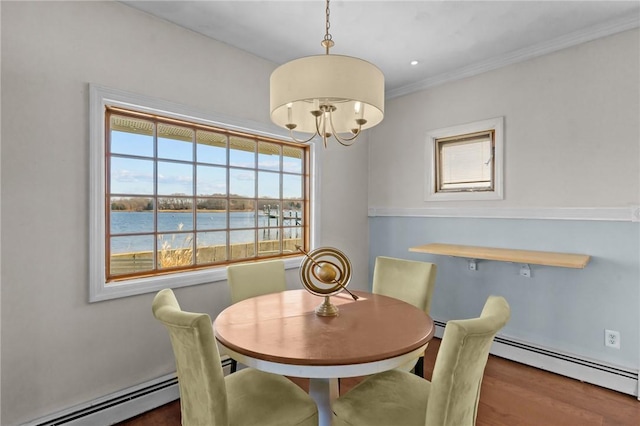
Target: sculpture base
x=327, y=309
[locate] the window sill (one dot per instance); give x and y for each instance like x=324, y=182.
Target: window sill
x=134, y=287
x=464, y=196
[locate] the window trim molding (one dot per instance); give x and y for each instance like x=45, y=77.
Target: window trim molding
x=99, y=98
x=497, y=125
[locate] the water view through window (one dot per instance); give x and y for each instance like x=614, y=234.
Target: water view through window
x=184, y=195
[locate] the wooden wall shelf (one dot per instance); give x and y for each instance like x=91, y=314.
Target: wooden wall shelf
x=565, y=260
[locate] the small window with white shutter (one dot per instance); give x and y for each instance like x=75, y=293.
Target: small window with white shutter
x=465, y=162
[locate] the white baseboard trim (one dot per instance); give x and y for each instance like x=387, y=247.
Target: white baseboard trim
x=122, y=405
x=617, y=214
x=117, y=406
x=139, y=399
x=608, y=376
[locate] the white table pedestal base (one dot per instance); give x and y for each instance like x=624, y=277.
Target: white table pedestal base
x=323, y=392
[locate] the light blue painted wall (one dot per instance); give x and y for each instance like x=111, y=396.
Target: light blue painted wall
x=564, y=309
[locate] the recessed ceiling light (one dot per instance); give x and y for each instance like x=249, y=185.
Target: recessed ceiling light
x=414, y=62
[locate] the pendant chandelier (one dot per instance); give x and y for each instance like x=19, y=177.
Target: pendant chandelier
x=327, y=95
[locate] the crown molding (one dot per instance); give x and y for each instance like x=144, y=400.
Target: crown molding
x=563, y=42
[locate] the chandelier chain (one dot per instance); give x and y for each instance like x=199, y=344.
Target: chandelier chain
x=327, y=42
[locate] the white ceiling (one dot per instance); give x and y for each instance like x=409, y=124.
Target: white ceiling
x=450, y=39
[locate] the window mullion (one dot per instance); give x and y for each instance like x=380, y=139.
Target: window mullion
x=156, y=201
x=194, y=197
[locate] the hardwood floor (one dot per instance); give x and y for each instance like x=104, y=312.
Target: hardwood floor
x=512, y=395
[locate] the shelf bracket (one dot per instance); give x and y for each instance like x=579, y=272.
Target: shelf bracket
x=473, y=264
x=525, y=271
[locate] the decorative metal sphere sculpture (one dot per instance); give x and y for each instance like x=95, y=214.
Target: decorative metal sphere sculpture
x=325, y=271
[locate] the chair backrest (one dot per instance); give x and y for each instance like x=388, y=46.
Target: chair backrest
x=459, y=368
x=407, y=280
x=255, y=279
x=203, y=397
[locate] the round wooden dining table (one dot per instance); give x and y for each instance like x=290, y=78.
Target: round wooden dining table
x=280, y=333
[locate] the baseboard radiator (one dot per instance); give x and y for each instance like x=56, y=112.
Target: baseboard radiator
x=139, y=399
x=121, y=405
x=613, y=377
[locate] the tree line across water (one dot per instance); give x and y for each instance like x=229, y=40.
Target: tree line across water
x=140, y=204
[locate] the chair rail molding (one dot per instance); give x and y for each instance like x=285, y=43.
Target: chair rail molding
x=617, y=214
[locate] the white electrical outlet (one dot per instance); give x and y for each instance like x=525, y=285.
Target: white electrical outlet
x=612, y=339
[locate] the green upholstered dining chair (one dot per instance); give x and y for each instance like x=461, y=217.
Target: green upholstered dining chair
x=254, y=279
x=207, y=397
x=398, y=397
x=410, y=281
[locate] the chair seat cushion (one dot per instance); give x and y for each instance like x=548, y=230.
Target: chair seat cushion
x=262, y=399
x=390, y=398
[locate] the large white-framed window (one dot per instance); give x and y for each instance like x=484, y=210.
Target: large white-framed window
x=465, y=162
x=176, y=195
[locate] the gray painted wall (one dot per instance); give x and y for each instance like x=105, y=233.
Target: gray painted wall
x=571, y=130
x=57, y=349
